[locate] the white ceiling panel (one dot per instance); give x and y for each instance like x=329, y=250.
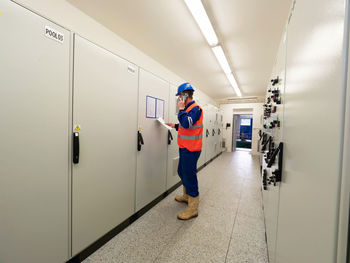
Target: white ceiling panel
x=248, y=30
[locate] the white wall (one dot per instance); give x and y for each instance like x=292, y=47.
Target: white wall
x=243, y=108
x=67, y=15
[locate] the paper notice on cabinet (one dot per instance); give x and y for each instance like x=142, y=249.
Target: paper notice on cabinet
x=160, y=109
x=150, y=107
x=161, y=121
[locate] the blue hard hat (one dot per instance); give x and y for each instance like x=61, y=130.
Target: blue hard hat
x=183, y=87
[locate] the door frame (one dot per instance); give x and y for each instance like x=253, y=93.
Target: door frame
x=237, y=112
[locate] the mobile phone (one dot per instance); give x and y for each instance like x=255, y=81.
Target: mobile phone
x=183, y=97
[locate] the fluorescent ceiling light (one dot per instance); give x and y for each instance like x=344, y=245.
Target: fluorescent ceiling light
x=220, y=56
x=234, y=84
x=202, y=19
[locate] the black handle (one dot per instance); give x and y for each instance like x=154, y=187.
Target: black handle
x=277, y=173
x=170, y=137
x=139, y=141
x=207, y=133
x=219, y=131
x=213, y=132
x=265, y=179
x=266, y=143
x=76, y=147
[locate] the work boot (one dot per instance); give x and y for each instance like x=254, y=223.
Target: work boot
x=182, y=198
x=192, y=209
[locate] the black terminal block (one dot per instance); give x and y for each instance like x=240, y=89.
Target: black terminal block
x=276, y=92
x=277, y=123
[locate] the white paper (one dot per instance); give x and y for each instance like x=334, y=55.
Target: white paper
x=160, y=109
x=163, y=123
x=150, y=107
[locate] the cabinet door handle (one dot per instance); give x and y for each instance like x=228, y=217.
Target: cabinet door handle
x=76, y=147
x=170, y=137
x=139, y=140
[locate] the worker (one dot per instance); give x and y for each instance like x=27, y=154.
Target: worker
x=189, y=140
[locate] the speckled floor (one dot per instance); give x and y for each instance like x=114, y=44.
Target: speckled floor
x=230, y=226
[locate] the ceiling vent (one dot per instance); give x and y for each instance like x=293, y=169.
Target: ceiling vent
x=242, y=100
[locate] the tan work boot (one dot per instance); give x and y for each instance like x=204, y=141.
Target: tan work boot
x=182, y=198
x=192, y=209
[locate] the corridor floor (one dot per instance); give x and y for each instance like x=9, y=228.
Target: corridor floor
x=230, y=226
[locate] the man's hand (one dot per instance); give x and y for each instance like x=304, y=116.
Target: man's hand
x=181, y=105
x=172, y=125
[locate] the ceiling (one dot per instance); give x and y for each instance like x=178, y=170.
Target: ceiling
x=248, y=30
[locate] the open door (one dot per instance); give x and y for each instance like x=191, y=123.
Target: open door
x=234, y=128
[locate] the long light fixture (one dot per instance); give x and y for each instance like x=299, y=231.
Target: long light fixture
x=200, y=15
x=202, y=19
x=234, y=84
x=220, y=56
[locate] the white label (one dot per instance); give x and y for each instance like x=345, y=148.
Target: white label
x=54, y=34
x=131, y=69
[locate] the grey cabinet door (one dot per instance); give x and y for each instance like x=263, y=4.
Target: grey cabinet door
x=105, y=107
x=313, y=123
x=34, y=106
x=201, y=159
x=173, y=149
x=152, y=159
x=210, y=151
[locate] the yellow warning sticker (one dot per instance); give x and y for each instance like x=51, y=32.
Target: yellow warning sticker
x=77, y=128
x=0, y=12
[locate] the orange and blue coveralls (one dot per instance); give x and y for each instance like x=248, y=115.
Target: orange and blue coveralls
x=190, y=130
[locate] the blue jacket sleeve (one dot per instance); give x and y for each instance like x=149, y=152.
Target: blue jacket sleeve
x=188, y=119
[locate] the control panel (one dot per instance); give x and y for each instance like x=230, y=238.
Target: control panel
x=271, y=144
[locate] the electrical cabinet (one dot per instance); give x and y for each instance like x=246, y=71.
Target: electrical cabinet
x=212, y=133
x=302, y=212
x=218, y=130
x=221, y=129
x=215, y=145
x=314, y=105
x=152, y=157
x=209, y=135
x=273, y=127
x=215, y=132
x=34, y=165
x=105, y=119
x=202, y=160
